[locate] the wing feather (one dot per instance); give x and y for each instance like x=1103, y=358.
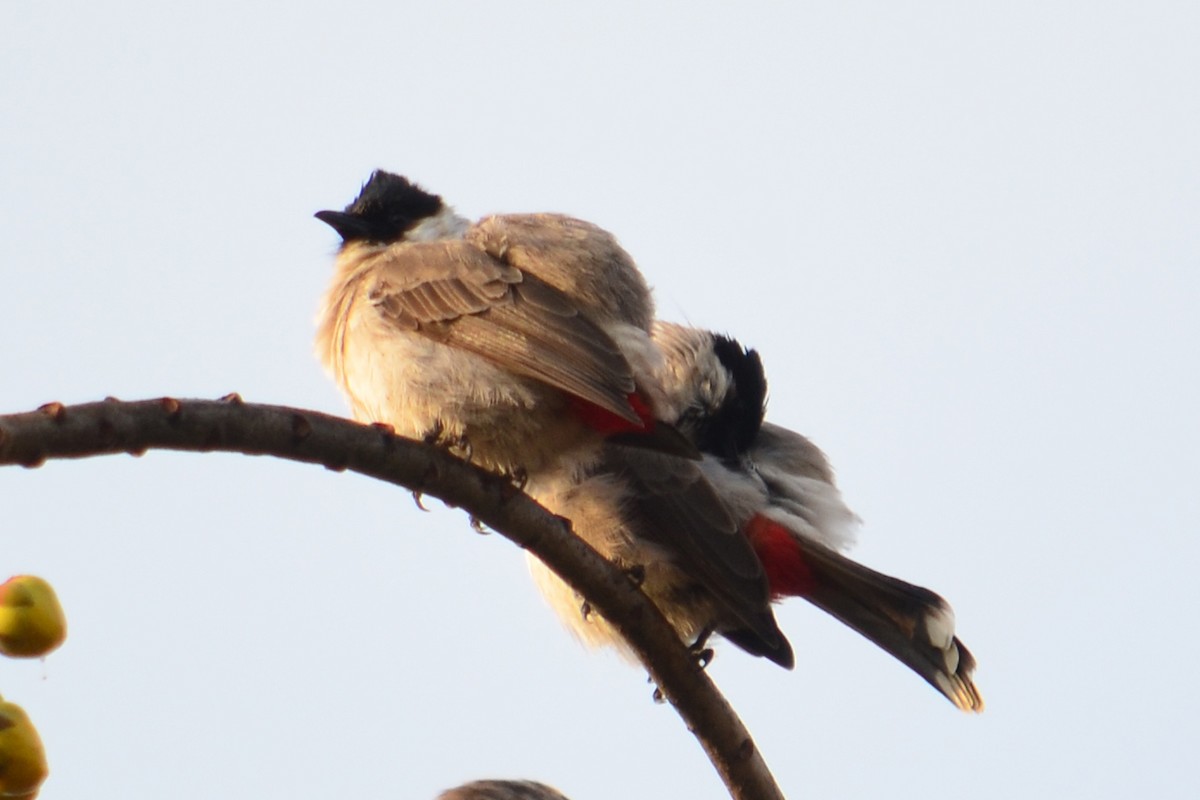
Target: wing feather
x=460, y=296
x=674, y=505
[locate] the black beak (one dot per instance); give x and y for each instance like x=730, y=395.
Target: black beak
x=348, y=226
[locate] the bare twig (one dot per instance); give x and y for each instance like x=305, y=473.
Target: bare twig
x=112, y=426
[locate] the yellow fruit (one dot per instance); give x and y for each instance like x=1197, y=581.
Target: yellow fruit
x=22, y=759
x=31, y=620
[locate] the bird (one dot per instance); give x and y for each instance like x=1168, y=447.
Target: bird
x=502, y=790
x=510, y=340
x=780, y=489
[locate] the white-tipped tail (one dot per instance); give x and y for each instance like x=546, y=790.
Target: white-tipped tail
x=910, y=622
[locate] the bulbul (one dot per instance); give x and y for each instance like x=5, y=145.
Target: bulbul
x=502, y=790
x=780, y=489
x=513, y=339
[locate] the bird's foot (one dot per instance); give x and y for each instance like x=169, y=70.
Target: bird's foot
x=699, y=649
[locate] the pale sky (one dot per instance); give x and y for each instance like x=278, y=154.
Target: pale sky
x=966, y=242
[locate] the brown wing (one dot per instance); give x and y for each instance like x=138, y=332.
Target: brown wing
x=574, y=256
x=458, y=295
x=674, y=505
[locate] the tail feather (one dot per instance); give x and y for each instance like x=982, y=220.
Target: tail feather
x=910, y=622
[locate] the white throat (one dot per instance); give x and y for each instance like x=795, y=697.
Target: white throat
x=445, y=224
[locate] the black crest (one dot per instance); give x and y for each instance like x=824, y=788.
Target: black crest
x=730, y=431
x=387, y=207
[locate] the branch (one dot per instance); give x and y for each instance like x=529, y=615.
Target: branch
x=112, y=426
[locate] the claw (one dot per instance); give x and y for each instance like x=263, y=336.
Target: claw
x=433, y=435
x=636, y=575
x=515, y=484
x=417, y=499
x=658, y=696
x=585, y=609
x=702, y=654
x=520, y=478
x=477, y=526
